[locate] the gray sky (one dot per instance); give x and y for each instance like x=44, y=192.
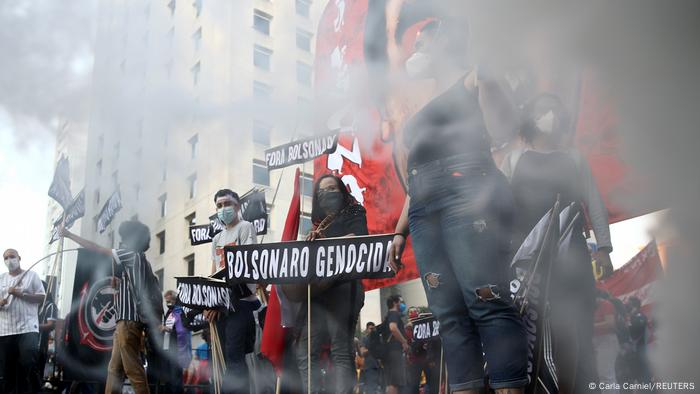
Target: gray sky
x=44, y=81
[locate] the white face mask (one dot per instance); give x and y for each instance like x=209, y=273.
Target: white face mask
x=12, y=263
x=418, y=65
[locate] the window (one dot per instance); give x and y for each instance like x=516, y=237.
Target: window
x=307, y=185
x=261, y=22
x=304, y=40
x=163, y=200
x=197, y=38
x=261, y=133
x=191, y=219
x=261, y=57
x=261, y=90
x=189, y=261
x=260, y=174
x=172, y=5
x=303, y=8
x=193, y=146
x=192, y=182
x=161, y=242
x=99, y=168
x=305, y=225
x=195, y=72
x=161, y=277
x=304, y=74
x=197, y=7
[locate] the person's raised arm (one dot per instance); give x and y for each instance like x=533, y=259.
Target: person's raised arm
x=499, y=111
x=89, y=245
x=399, y=242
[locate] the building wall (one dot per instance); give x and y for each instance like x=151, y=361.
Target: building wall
x=167, y=73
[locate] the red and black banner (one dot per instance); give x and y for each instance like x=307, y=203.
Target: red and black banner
x=87, y=343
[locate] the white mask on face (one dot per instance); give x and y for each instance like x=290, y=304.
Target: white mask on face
x=418, y=65
x=12, y=263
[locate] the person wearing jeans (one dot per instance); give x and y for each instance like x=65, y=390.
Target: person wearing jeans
x=459, y=212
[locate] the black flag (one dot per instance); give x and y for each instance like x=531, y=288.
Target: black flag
x=75, y=211
x=532, y=266
x=60, y=187
x=109, y=210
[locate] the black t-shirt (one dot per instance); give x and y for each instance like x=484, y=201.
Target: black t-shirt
x=394, y=317
x=537, y=180
x=351, y=220
x=451, y=124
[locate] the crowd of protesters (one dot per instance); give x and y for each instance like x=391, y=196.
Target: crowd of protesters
x=464, y=214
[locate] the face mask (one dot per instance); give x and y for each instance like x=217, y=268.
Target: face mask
x=330, y=201
x=418, y=65
x=226, y=215
x=12, y=263
x=170, y=304
x=402, y=308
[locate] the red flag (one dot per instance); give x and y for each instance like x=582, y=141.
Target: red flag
x=638, y=277
x=272, y=345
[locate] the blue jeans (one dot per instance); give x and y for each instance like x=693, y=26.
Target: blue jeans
x=237, y=336
x=460, y=220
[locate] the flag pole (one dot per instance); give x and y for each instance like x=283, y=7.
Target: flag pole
x=442, y=355
x=308, y=338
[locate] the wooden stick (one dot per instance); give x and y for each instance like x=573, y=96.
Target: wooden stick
x=308, y=338
x=442, y=355
x=278, y=385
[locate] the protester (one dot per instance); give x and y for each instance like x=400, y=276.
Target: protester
x=421, y=360
x=236, y=326
x=335, y=305
x=199, y=371
x=48, y=313
x=459, y=211
x=397, y=346
x=371, y=371
x=21, y=293
x=605, y=341
x=541, y=172
x=177, y=345
x=632, y=365
x=133, y=303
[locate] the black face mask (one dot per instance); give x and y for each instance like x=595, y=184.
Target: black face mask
x=330, y=201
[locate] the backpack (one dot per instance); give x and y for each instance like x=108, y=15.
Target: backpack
x=377, y=341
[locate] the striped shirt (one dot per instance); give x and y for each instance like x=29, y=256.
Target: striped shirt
x=130, y=268
x=19, y=316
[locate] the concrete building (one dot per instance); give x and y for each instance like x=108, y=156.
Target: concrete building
x=187, y=95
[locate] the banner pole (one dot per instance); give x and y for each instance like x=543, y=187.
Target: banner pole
x=442, y=355
x=308, y=338
x=278, y=385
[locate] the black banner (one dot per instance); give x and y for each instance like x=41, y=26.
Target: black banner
x=109, y=211
x=304, y=262
x=300, y=151
x=425, y=329
x=253, y=209
x=60, y=186
x=196, y=292
x=91, y=322
x=75, y=211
